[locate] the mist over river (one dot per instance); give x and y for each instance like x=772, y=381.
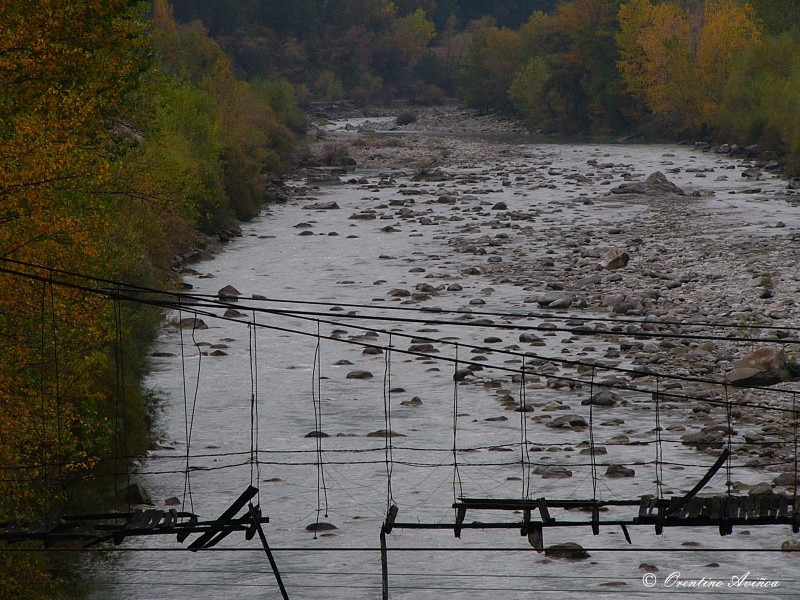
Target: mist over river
x=422, y=226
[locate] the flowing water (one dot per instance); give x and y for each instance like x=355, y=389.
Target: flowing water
x=292, y=370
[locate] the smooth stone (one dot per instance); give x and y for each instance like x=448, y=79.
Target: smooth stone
x=567, y=421
x=567, y=550
x=359, y=375
x=384, y=433
x=617, y=471
x=317, y=434
x=321, y=526
x=415, y=401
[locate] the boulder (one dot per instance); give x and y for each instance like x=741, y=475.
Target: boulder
x=462, y=374
x=604, y=398
x=363, y=216
x=567, y=550
x=614, y=259
x=617, y=471
x=359, y=375
x=567, y=422
x=704, y=440
x=556, y=300
x=765, y=366
x=627, y=305
x=530, y=338
x=228, y=293
x=192, y=323
x=791, y=546
x=656, y=183
x=785, y=480
x=135, y=494
x=553, y=472
x=330, y=205
x=384, y=433
x=317, y=434
x=415, y=401
x=321, y=526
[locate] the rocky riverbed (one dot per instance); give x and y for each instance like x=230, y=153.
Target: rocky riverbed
x=701, y=273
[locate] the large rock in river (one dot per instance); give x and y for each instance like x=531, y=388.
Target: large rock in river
x=656, y=183
x=568, y=550
x=228, y=293
x=136, y=494
x=765, y=366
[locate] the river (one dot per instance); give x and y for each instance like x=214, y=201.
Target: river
x=415, y=267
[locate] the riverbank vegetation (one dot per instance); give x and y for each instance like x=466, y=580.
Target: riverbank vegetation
x=122, y=134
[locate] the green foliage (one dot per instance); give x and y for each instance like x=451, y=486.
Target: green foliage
x=678, y=61
x=777, y=15
x=569, y=81
x=280, y=96
x=760, y=102
x=227, y=136
x=488, y=71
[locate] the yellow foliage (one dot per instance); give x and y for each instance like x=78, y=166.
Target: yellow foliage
x=678, y=65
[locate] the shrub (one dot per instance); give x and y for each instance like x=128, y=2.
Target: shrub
x=406, y=117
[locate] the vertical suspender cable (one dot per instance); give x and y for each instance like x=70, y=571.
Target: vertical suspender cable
x=728, y=480
x=523, y=426
x=316, y=391
x=387, y=417
x=254, y=415
x=794, y=415
x=458, y=490
x=591, y=436
x=659, y=448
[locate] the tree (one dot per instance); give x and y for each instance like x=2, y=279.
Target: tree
x=728, y=30
x=777, y=15
x=677, y=63
x=405, y=46
x=760, y=100
x=488, y=71
x=571, y=82
x=69, y=72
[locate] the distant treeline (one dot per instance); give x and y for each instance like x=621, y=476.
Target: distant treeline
x=722, y=69
x=303, y=18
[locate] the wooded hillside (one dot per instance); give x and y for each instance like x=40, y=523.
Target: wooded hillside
x=721, y=69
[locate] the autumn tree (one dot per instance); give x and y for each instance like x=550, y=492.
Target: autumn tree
x=676, y=62
x=407, y=44
x=69, y=72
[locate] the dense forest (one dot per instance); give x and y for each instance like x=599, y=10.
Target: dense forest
x=132, y=132
x=721, y=69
